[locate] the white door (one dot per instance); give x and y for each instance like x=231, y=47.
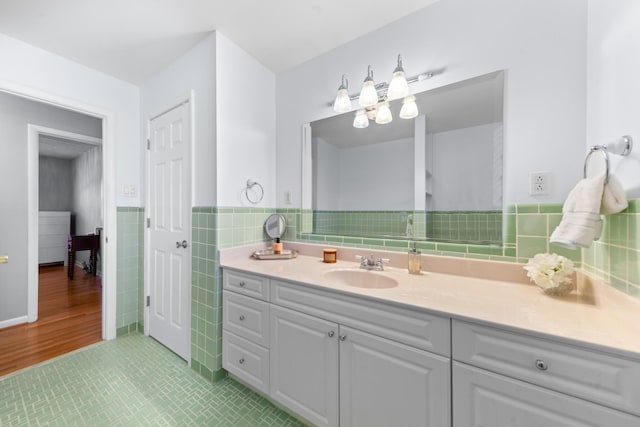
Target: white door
x=169, y=213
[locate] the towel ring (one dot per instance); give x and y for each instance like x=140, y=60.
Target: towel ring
x=603, y=150
x=622, y=146
x=250, y=184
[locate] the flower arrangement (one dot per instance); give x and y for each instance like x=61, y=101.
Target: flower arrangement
x=551, y=272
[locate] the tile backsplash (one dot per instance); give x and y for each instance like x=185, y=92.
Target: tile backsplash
x=526, y=229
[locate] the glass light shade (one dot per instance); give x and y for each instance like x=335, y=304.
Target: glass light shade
x=368, y=94
x=360, y=121
x=384, y=114
x=342, y=104
x=398, y=88
x=409, y=108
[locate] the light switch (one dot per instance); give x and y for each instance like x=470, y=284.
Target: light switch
x=4, y=259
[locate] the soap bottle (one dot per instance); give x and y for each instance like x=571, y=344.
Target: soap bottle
x=414, y=260
x=277, y=246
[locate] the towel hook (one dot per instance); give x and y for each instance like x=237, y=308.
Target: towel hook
x=250, y=184
x=622, y=146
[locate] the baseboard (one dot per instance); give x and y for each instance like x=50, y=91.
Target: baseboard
x=13, y=322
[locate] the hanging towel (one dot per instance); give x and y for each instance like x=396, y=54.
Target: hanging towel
x=614, y=199
x=581, y=223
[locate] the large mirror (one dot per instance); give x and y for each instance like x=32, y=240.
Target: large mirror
x=436, y=177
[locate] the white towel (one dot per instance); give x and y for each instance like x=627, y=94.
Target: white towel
x=614, y=199
x=581, y=223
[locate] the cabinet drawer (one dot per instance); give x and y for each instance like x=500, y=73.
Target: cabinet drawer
x=482, y=398
x=603, y=378
x=246, y=360
x=248, y=284
x=411, y=327
x=246, y=317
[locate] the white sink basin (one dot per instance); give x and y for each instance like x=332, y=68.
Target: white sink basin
x=361, y=278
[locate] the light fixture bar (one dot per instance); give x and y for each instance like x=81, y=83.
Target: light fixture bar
x=381, y=87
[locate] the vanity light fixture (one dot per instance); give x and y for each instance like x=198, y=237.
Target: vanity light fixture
x=361, y=120
x=383, y=116
x=398, y=88
x=368, y=94
x=374, y=98
x=342, y=104
x=409, y=108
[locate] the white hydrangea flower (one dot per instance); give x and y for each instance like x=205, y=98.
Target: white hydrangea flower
x=552, y=272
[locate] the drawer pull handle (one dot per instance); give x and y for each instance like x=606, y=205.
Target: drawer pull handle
x=241, y=361
x=241, y=317
x=541, y=365
x=331, y=334
x=241, y=284
x=343, y=337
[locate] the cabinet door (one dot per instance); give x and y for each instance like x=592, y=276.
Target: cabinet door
x=304, y=365
x=482, y=398
x=385, y=383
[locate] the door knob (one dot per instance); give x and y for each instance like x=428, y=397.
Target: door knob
x=182, y=244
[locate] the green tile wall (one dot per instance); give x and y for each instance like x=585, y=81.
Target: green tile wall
x=370, y=223
x=475, y=227
x=615, y=257
x=130, y=270
x=213, y=229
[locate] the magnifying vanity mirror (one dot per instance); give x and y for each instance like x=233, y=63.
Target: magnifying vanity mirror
x=436, y=177
x=275, y=226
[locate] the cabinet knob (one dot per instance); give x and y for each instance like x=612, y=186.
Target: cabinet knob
x=241, y=284
x=343, y=337
x=331, y=334
x=241, y=361
x=541, y=365
x=242, y=317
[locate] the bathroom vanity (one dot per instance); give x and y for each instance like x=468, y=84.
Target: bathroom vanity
x=428, y=350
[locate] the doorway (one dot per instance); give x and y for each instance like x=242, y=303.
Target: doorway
x=28, y=265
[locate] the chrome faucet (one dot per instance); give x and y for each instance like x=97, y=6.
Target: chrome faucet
x=372, y=263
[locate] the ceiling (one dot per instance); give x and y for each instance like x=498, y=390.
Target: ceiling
x=62, y=148
x=471, y=102
x=131, y=40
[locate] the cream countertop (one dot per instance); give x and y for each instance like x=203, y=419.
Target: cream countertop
x=596, y=314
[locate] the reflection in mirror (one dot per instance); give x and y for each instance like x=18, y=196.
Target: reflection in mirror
x=436, y=177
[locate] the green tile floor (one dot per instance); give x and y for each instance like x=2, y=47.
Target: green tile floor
x=129, y=381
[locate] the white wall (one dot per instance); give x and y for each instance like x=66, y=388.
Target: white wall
x=54, y=182
x=87, y=195
x=194, y=71
x=246, y=119
x=613, y=102
x=34, y=68
x=463, y=177
x=377, y=177
x=541, y=45
x=326, y=180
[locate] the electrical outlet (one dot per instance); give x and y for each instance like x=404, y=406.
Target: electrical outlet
x=539, y=183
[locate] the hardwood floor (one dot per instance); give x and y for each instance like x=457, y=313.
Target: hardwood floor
x=69, y=317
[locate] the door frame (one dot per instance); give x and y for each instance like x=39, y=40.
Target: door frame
x=109, y=273
x=33, y=150
x=189, y=99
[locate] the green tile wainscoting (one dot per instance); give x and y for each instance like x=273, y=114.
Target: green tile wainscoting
x=130, y=270
x=526, y=230
x=216, y=228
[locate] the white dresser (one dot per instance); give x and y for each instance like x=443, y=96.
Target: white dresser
x=53, y=233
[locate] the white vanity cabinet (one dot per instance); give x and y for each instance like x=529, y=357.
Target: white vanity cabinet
x=338, y=360
x=245, y=328
x=502, y=378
